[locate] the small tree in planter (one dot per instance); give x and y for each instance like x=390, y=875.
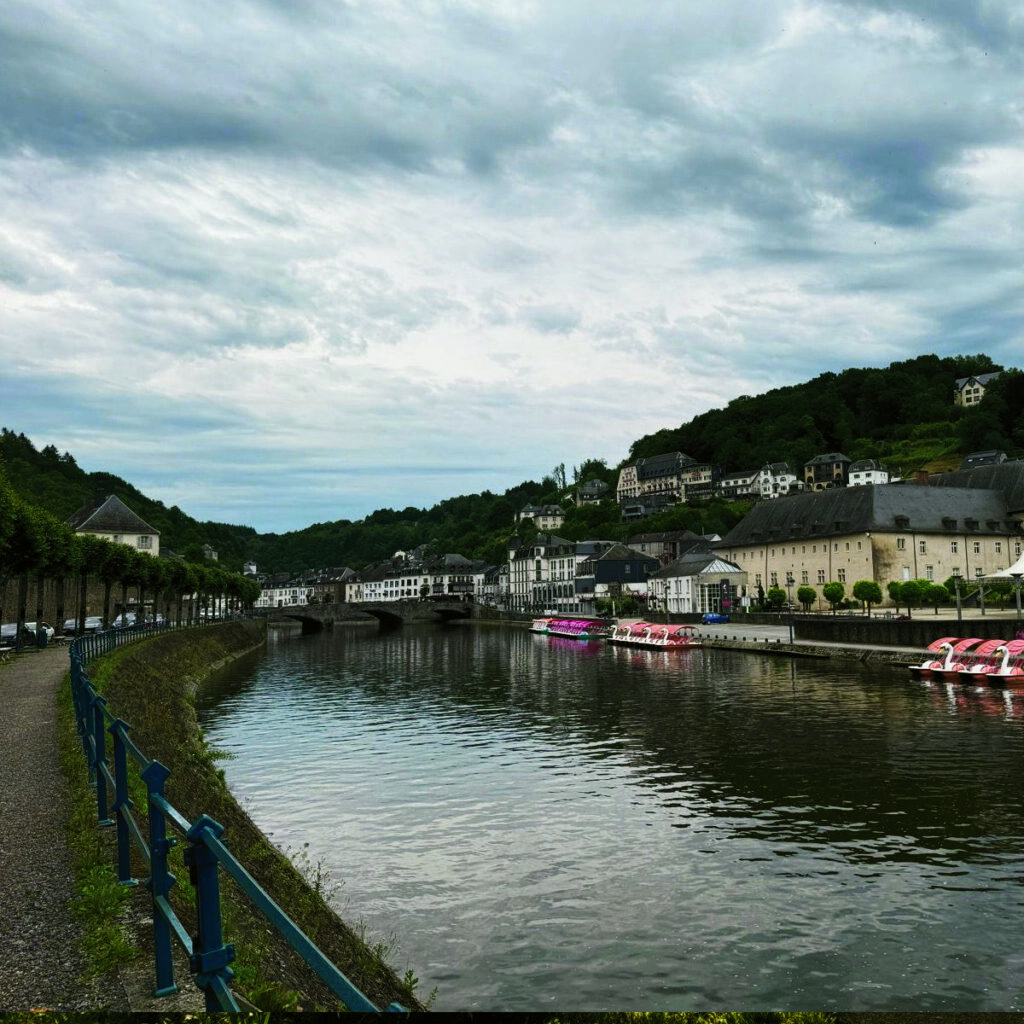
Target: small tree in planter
x=869, y=592
x=806, y=596
x=833, y=593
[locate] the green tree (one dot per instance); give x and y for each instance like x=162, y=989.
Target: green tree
x=869, y=592
x=910, y=594
x=934, y=594
x=806, y=596
x=833, y=593
x=775, y=596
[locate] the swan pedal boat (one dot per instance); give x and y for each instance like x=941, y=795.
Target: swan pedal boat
x=974, y=660
x=651, y=634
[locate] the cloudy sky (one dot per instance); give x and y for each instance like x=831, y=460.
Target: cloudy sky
x=288, y=261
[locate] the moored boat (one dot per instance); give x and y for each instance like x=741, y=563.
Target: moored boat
x=983, y=660
x=578, y=629
x=540, y=625
x=939, y=652
x=1010, y=664
x=657, y=635
x=958, y=659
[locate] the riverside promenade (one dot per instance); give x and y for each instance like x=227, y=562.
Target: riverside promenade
x=43, y=965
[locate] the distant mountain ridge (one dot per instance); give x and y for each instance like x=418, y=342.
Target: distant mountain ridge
x=902, y=414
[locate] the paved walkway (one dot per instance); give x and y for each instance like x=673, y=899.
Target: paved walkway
x=42, y=965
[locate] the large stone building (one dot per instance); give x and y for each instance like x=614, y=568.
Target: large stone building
x=883, y=533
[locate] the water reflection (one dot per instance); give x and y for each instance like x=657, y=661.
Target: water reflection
x=546, y=822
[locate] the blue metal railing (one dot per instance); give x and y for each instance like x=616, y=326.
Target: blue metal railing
x=209, y=956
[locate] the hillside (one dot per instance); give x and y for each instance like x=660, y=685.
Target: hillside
x=902, y=414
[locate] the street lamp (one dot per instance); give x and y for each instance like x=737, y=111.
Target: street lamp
x=959, y=609
x=789, y=603
x=1016, y=576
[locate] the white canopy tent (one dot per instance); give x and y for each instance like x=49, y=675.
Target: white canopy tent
x=1017, y=569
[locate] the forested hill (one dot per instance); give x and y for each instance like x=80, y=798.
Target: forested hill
x=902, y=414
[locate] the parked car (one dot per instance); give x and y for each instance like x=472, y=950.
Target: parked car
x=8, y=632
x=93, y=624
x=709, y=618
x=32, y=630
x=123, y=620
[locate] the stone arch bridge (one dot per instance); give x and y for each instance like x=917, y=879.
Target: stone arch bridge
x=315, y=617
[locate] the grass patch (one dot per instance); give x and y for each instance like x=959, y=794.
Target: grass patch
x=151, y=685
x=100, y=899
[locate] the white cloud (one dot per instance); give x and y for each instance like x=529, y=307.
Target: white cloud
x=313, y=241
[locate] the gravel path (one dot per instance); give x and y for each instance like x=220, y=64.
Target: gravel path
x=41, y=965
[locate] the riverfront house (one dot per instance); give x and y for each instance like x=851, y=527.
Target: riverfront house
x=882, y=533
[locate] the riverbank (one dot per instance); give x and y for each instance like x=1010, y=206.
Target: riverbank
x=152, y=685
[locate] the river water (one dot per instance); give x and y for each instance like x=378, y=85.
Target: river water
x=547, y=824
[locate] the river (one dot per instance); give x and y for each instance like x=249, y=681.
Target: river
x=542, y=824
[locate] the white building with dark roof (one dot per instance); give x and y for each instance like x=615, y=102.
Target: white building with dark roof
x=971, y=390
x=111, y=519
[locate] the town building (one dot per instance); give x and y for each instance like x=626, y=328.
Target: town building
x=670, y=544
x=885, y=533
x=545, y=517
x=778, y=479
x=591, y=492
x=865, y=472
x=673, y=477
x=825, y=471
x=111, y=519
x=971, y=390
x=619, y=571
x=697, y=582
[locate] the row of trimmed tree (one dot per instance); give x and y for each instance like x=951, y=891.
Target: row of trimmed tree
x=37, y=547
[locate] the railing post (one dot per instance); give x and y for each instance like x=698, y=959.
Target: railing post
x=122, y=804
x=210, y=957
x=99, y=739
x=160, y=879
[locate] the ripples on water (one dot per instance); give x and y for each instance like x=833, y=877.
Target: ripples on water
x=548, y=824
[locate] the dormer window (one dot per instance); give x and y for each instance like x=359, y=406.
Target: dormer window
x=949, y=523
x=902, y=522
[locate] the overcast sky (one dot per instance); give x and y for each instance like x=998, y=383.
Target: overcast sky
x=288, y=261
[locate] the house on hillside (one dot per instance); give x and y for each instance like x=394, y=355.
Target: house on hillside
x=777, y=479
x=672, y=476
x=669, y=545
x=111, y=519
x=545, y=517
x=826, y=471
x=865, y=472
x=591, y=492
x=971, y=390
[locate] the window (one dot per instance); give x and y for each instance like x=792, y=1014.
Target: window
x=804, y=577
x=821, y=575
x=954, y=547
x=775, y=579
x=922, y=547
x=841, y=575
x=847, y=545
x=901, y=543
x=979, y=571
x=144, y=543
x=999, y=547
x=977, y=547
x=929, y=572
